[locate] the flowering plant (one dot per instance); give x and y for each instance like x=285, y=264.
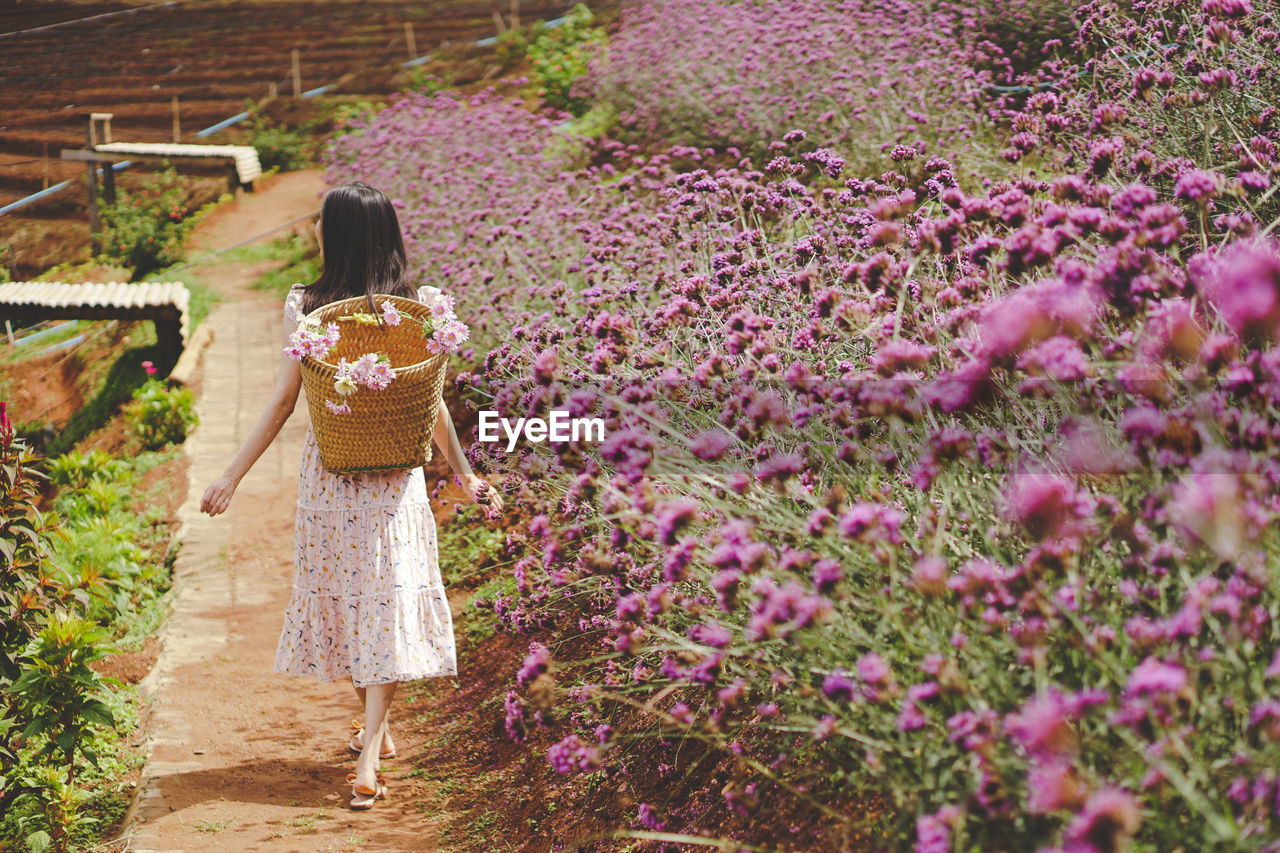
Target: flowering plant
x=442, y=331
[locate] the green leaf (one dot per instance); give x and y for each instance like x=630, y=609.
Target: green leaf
x=38, y=842
x=66, y=740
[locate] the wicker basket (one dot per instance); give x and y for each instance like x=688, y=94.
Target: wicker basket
x=385, y=430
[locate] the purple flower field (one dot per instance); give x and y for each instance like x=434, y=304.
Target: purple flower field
x=936, y=345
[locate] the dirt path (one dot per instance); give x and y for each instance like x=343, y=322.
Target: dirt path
x=241, y=758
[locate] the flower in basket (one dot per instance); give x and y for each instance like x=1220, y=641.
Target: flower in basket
x=442, y=331
x=310, y=341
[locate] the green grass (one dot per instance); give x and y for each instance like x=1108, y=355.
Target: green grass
x=203, y=297
x=307, y=823
x=301, y=263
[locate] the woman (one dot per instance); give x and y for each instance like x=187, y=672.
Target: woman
x=368, y=601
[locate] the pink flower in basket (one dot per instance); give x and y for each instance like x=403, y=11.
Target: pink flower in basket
x=443, y=332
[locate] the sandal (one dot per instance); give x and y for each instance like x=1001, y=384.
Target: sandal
x=358, y=730
x=361, y=800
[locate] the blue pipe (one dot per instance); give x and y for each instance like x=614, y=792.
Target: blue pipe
x=61, y=345
x=42, y=333
x=554, y=22
x=319, y=90
x=23, y=202
x=48, y=191
x=222, y=125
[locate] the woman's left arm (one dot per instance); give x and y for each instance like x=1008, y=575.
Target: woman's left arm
x=447, y=440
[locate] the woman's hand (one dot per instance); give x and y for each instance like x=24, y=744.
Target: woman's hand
x=486, y=495
x=218, y=495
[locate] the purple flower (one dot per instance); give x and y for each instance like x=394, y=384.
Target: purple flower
x=1244, y=285
x=1052, y=786
x=1042, y=727
x=390, y=315
x=1109, y=816
x=1266, y=716
x=1059, y=358
x=535, y=663
x=872, y=522
x=710, y=634
x=1014, y=322
x=1197, y=185
x=838, y=686
x=674, y=517
x=777, y=469
x=826, y=573
x=1040, y=502
x=872, y=669
x=572, y=754
x=1228, y=9
x=1155, y=678
x=929, y=575
x=711, y=445
x=649, y=818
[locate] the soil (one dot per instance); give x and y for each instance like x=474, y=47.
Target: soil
x=130, y=667
x=45, y=390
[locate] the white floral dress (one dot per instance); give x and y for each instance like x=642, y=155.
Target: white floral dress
x=368, y=599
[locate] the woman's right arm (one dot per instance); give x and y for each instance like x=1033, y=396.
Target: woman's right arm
x=283, y=400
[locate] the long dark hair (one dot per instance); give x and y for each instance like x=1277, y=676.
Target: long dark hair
x=363, y=249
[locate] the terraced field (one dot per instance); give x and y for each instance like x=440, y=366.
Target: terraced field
x=131, y=59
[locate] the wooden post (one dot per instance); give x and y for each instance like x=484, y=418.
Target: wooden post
x=46, y=166
x=515, y=14
x=273, y=91
x=91, y=175
x=109, y=182
x=168, y=339
x=95, y=224
x=410, y=41
x=8, y=330
x=177, y=123
x=297, y=73
x=497, y=20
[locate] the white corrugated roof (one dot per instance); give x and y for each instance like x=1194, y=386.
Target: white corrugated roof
x=120, y=294
x=248, y=169
x=95, y=299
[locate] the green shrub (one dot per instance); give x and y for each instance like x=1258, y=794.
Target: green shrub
x=161, y=415
x=347, y=118
x=426, y=83
x=58, y=693
x=67, y=578
x=6, y=261
x=560, y=56
x=27, y=593
x=278, y=146
x=146, y=229
x=125, y=376
x=512, y=46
